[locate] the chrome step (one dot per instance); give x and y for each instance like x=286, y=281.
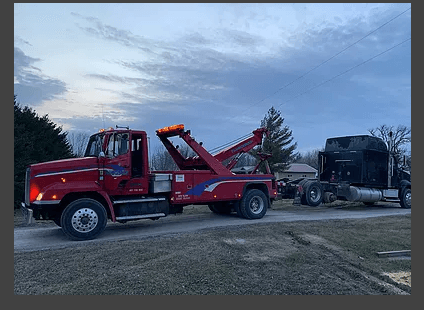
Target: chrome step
x=390, y=199
x=151, y=199
x=139, y=217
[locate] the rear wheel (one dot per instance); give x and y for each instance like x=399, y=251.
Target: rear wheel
x=254, y=204
x=83, y=219
x=313, y=193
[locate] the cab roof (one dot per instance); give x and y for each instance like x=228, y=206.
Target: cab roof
x=355, y=143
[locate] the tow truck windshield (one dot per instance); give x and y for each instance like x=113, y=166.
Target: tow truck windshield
x=94, y=146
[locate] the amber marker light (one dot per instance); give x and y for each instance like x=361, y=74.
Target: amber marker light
x=39, y=196
x=172, y=128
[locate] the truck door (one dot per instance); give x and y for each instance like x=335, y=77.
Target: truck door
x=117, y=163
x=139, y=181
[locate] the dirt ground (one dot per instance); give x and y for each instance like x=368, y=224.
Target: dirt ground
x=292, y=258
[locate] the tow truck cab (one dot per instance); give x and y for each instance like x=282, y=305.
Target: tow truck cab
x=112, y=158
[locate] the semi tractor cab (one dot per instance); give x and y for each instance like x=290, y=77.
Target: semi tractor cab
x=114, y=181
x=354, y=168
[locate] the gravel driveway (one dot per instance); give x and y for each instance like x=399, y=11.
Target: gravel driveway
x=46, y=235
x=292, y=250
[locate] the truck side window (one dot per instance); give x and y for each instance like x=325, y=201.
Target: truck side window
x=118, y=144
x=110, y=152
x=122, y=142
x=136, y=157
x=94, y=146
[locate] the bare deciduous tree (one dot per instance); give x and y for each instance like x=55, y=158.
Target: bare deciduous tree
x=310, y=158
x=161, y=160
x=78, y=141
x=401, y=136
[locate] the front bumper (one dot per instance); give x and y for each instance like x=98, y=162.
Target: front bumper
x=28, y=215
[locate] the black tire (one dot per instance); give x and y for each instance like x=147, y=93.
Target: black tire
x=254, y=204
x=313, y=193
x=220, y=208
x=83, y=219
x=405, y=198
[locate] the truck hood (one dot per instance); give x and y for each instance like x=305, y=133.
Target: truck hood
x=70, y=165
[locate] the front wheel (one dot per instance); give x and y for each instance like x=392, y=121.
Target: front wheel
x=254, y=204
x=405, y=198
x=83, y=219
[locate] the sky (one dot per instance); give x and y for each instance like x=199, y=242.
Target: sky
x=330, y=69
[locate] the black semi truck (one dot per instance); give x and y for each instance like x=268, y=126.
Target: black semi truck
x=353, y=168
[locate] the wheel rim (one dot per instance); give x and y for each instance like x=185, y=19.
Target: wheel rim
x=315, y=193
x=84, y=220
x=408, y=199
x=256, y=205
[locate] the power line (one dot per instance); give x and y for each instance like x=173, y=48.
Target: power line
x=340, y=74
x=335, y=55
x=334, y=77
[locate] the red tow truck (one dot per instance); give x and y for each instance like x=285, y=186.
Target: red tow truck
x=113, y=181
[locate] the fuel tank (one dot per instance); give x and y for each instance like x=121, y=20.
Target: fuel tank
x=364, y=194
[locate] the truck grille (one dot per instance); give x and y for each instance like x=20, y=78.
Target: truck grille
x=27, y=177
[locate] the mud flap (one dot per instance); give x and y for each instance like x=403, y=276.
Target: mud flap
x=297, y=196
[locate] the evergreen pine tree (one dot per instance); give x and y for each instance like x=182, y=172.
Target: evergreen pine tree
x=279, y=142
x=36, y=139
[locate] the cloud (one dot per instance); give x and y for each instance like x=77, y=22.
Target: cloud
x=241, y=38
x=22, y=62
x=19, y=40
x=234, y=70
x=31, y=85
x=113, y=34
x=191, y=68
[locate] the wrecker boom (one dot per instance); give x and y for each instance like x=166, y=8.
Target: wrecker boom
x=242, y=147
x=204, y=160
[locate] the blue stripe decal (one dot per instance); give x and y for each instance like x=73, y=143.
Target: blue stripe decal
x=200, y=188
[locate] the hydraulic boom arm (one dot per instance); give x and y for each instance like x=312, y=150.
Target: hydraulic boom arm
x=242, y=147
x=205, y=160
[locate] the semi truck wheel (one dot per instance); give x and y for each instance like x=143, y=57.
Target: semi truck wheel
x=254, y=204
x=405, y=198
x=83, y=219
x=313, y=192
